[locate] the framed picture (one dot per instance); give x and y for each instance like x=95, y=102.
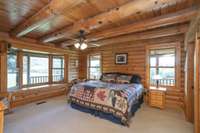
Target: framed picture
x=121, y=58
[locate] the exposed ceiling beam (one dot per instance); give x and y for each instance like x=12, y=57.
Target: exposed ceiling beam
x=163, y=40
x=156, y=33
x=54, y=8
x=174, y=18
x=193, y=29
x=105, y=18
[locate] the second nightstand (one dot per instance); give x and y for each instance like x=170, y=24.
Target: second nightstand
x=157, y=97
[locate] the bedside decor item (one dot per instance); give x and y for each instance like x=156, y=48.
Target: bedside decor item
x=121, y=58
x=157, y=77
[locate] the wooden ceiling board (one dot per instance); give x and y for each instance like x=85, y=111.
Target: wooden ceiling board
x=13, y=12
x=114, y=17
x=69, y=16
x=157, y=11
x=78, y=13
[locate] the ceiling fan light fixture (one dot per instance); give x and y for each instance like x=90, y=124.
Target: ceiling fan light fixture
x=81, y=43
x=77, y=45
x=83, y=46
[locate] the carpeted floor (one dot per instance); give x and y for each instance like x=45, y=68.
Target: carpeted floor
x=56, y=116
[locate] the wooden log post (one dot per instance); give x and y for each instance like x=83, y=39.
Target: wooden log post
x=197, y=85
x=189, y=83
x=3, y=66
x=1, y=117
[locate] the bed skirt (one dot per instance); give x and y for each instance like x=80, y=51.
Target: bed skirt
x=108, y=116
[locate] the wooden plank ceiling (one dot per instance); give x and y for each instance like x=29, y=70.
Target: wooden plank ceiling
x=59, y=21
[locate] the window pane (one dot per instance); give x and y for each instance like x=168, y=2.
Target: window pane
x=94, y=68
x=152, y=74
x=58, y=74
x=167, y=73
x=152, y=61
x=167, y=60
x=95, y=73
x=57, y=63
x=25, y=70
x=95, y=61
x=58, y=69
x=39, y=70
x=168, y=76
x=12, y=79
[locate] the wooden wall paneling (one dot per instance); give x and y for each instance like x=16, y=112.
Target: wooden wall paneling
x=28, y=95
x=66, y=70
x=197, y=86
x=82, y=66
x=3, y=67
x=137, y=62
x=20, y=68
x=189, y=83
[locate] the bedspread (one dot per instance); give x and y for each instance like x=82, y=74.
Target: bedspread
x=113, y=98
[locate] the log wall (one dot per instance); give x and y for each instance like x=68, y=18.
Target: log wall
x=136, y=63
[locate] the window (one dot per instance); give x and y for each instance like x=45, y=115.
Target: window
x=35, y=69
x=58, y=68
x=73, y=68
x=94, y=66
x=12, y=72
x=162, y=63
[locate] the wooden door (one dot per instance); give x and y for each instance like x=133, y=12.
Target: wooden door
x=197, y=86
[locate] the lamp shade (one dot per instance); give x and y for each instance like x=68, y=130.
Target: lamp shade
x=83, y=46
x=157, y=77
x=77, y=45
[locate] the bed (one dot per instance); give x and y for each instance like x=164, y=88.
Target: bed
x=115, y=96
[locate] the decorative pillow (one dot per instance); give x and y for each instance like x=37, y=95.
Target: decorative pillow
x=124, y=79
x=109, y=78
x=136, y=79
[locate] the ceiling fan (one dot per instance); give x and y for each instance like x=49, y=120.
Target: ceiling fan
x=80, y=42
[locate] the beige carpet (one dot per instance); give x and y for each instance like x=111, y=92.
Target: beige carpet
x=56, y=116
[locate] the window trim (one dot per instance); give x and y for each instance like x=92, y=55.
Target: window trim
x=28, y=72
x=20, y=54
x=157, y=67
x=177, y=47
x=14, y=52
x=88, y=63
x=62, y=68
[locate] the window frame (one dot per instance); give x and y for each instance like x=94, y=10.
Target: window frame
x=177, y=47
x=157, y=66
x=14, y=52
x=29, y=54
x=89, y=65
x=62, y=68
x=20, y=62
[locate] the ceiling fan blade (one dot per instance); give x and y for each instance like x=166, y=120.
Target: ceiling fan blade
x=94, y=44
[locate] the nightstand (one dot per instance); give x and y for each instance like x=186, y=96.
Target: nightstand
x=157, y=97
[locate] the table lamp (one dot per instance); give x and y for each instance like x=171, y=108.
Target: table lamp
x=157, y=77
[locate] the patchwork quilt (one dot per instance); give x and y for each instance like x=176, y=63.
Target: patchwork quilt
x=113, y=98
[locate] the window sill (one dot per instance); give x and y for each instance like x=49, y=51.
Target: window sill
x=40, y=87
